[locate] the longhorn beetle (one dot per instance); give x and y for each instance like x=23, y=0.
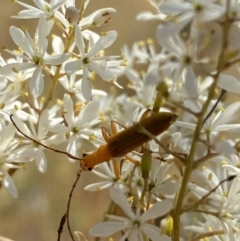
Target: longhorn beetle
x=127, y=140
x=121, y=143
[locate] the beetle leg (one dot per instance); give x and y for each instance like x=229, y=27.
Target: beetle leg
x=116, y=168
x=135, y=162
x=105, y=134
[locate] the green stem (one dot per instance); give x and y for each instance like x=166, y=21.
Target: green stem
x=149, y=200
x=57, y=75
x=176, y=213
x=145, y=188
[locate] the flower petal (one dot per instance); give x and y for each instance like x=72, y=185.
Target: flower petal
x=41, y=161
x=73, y=66
x=88, y=114
x=9, y=185
x=68, y=109
x=10, y=69
x=103, y=43
x=106, y=229
x=98, y=186
x=79, y=41
x=229, y=83
x=21, y=40
x=37, y=82
x=153, y=233
x=56, y=59
x=157, y=210
x=86, y=89
x=191, y=83
x=101, y=70
x=120, y=199
x=55, y=5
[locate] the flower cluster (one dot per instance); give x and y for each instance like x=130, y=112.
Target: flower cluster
x=170, y=180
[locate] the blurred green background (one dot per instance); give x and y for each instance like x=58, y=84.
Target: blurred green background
x=42, y=200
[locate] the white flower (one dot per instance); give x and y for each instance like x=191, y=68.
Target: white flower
x=20, y=76
x=187, y=11
x=160, y=182
x=223, y=121
x=224, y=201
x=181, y=58
x=8, y=99
x=135, y=225
x=30, y=151
x=151, y=15
x=232, y=163
x=7, y=145
x=44, y=10
x=145, y=93
x=201, y=223
x=79, y=128
x=35, y=55
x=89, y=60
x=195, y=104
x=129, y=56
x=106, y=171
x=72, y=84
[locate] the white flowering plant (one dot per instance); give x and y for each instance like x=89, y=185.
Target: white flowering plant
x=168, y=153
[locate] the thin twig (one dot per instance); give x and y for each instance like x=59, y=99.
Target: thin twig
x=200, y=201
x=142, y=130
x=178, y=105
x=205, y=158
x=229, y=64
x=202, y=236
x=214, y=106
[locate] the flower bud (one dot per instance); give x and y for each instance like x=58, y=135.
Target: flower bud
x=167, y=226
x=146, y=164
x=103, y=16
x=72, y=15
x=158, y=102
x=163, y=89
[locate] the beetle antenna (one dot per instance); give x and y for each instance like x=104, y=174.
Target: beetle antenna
x=66, y=215
x=41, y=144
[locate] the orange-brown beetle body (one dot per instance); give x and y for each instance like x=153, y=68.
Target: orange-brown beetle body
x=127, y=140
